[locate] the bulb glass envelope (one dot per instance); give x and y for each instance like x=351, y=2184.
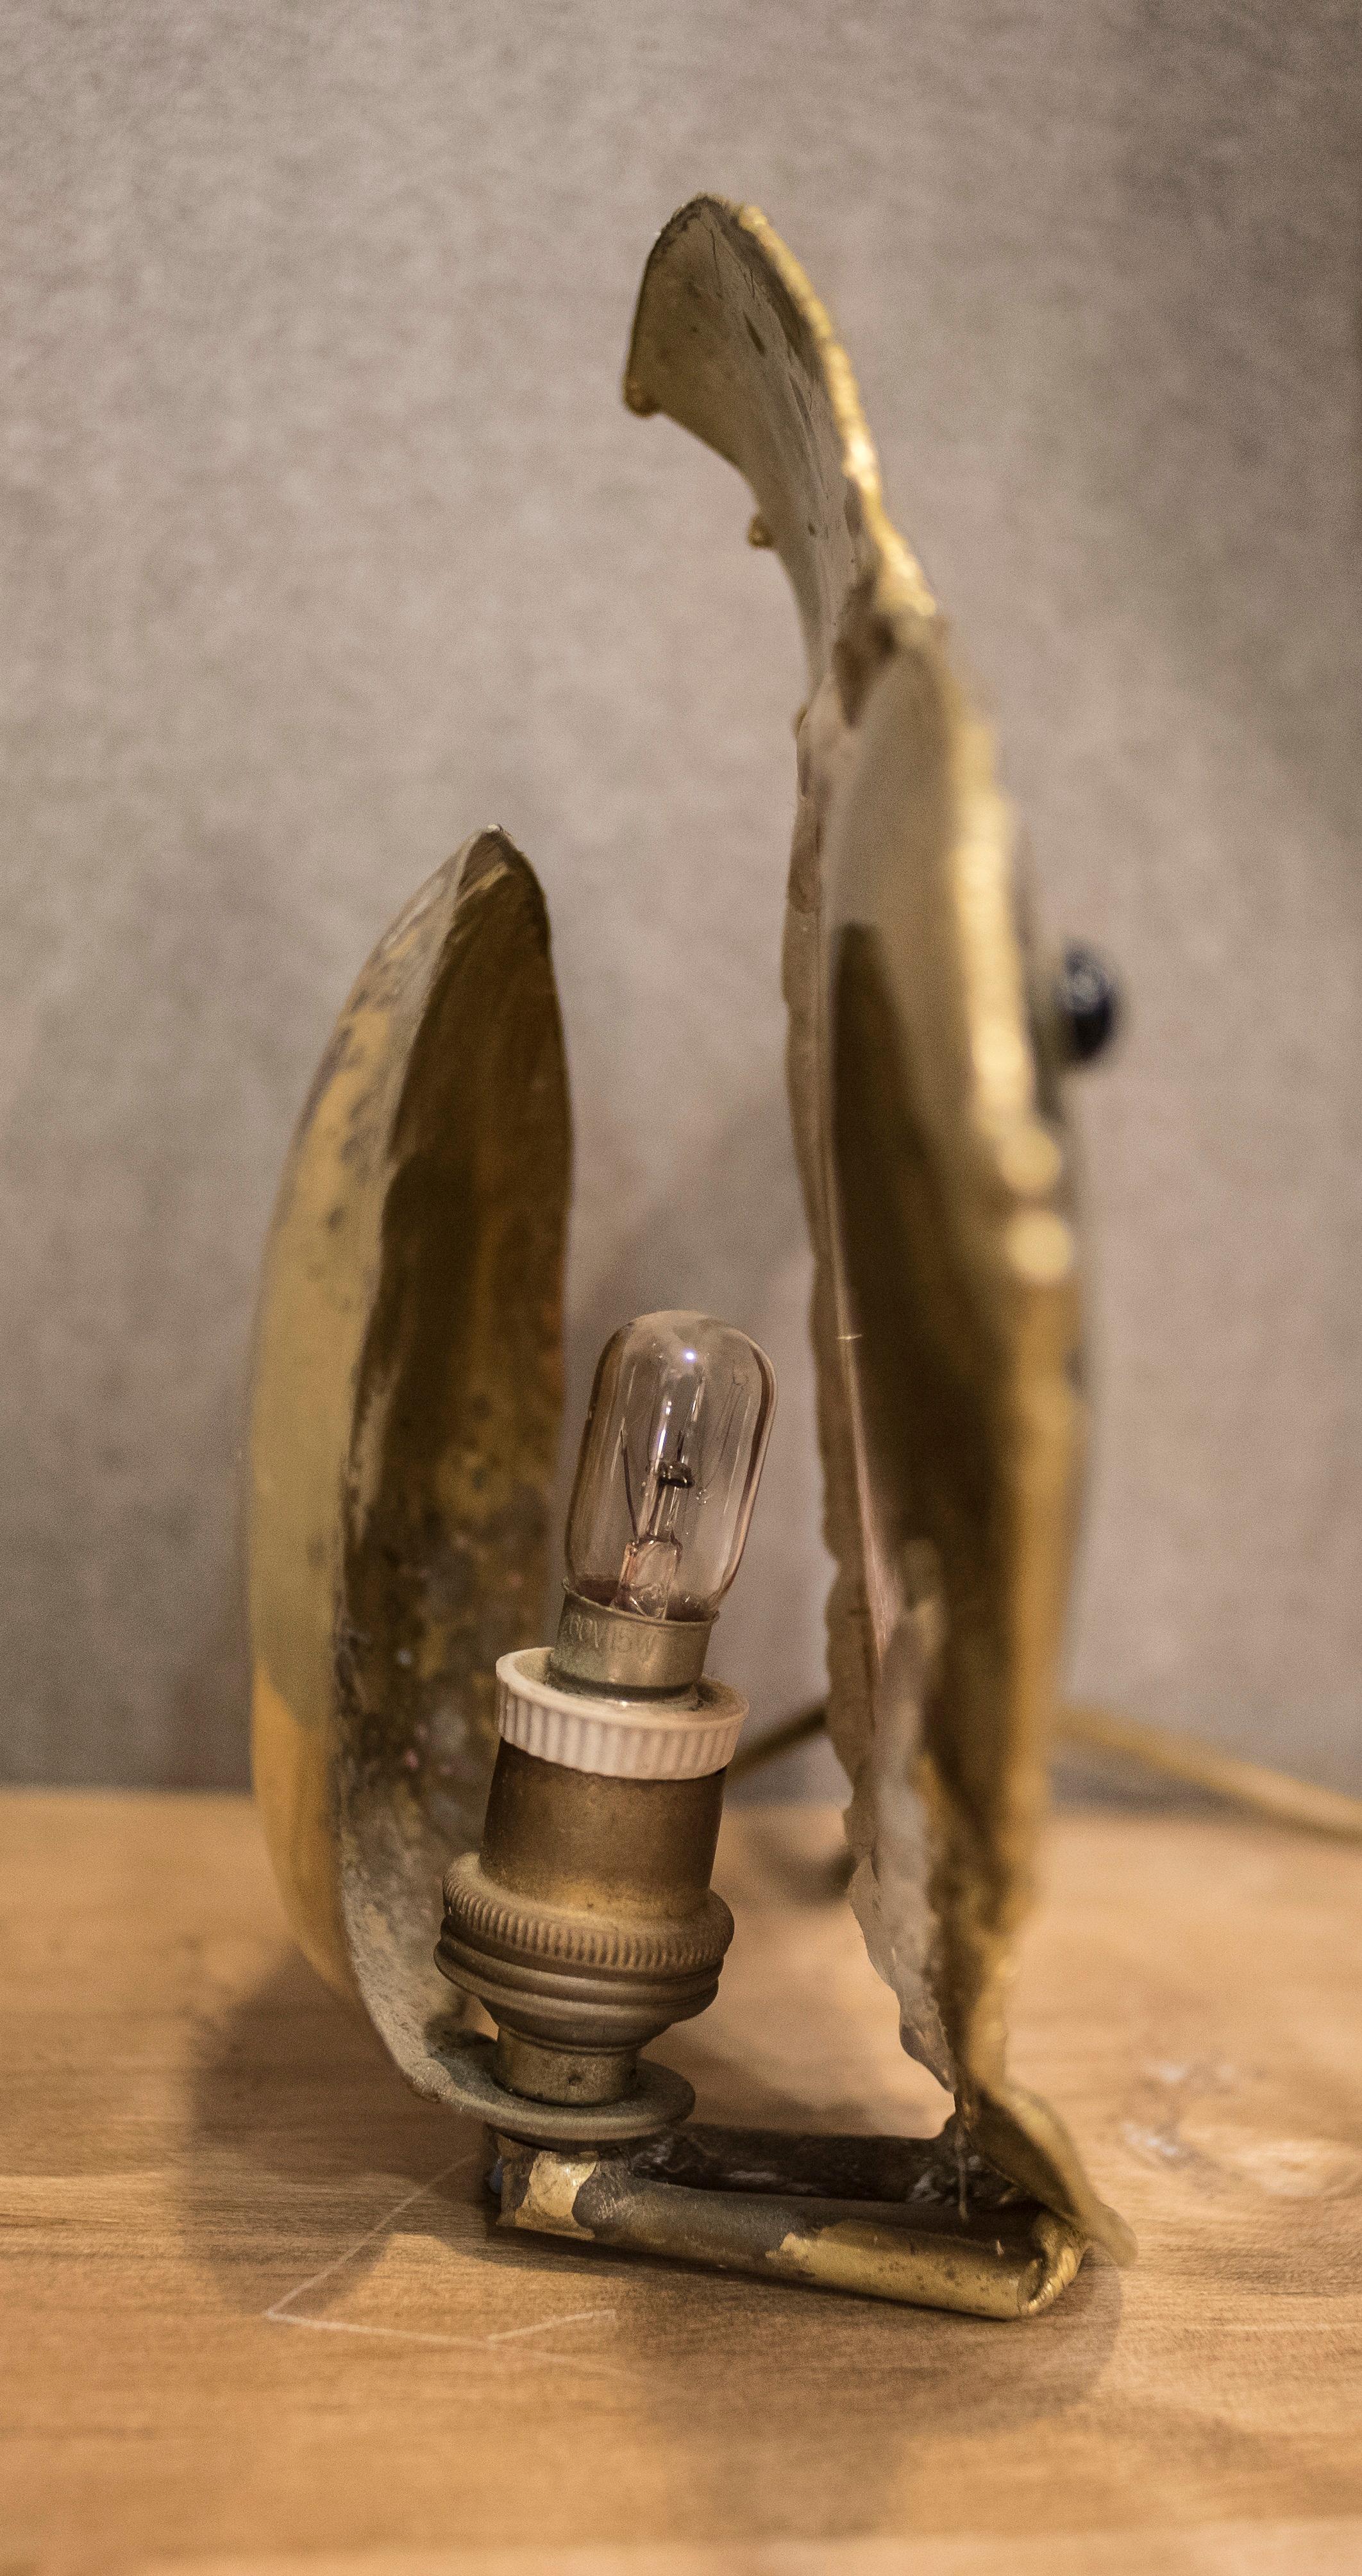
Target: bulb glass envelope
x=670, y=1462
x=406, y=1390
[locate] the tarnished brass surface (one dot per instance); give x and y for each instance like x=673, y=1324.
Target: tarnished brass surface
x=1000, y=2259
x=586, y=1925
x=621, y=1851
x=936, y=1176
x=536, y=2070
x=404, y=1426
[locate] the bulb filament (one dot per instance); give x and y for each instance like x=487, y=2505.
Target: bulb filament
x=654, y=1552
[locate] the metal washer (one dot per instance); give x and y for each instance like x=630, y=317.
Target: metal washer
x=660, y=2099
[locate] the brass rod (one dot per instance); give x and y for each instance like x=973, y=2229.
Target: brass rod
x=1254, y=1785
x=1277, y=1794
x=785, y=1738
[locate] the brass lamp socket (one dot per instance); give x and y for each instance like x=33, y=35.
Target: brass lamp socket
x=586, y=1924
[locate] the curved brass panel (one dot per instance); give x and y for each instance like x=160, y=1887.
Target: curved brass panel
x=404, y=1426
x=935, y=1170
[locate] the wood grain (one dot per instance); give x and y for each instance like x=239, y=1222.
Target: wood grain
x=255, y=2321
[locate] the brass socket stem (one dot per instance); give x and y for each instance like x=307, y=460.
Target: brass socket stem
x=578, y=2075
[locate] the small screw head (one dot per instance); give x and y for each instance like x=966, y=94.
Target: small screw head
x=1088, y=1000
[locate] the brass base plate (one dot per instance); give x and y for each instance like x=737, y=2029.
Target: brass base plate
x=658, y=2101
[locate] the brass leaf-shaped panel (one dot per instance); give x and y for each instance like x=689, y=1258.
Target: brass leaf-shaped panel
x=404, y=1426
x=934, y=1162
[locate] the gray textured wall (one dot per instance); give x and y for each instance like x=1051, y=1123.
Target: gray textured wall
x=329, y=540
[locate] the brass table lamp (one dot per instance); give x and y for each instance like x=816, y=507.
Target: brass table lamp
x=428, y=1775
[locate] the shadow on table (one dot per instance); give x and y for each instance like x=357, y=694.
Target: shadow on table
x=305, y=2138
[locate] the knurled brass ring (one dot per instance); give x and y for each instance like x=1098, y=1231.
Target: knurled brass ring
x=483, y=1913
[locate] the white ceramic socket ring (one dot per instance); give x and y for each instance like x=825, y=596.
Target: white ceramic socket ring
x=624, y=1739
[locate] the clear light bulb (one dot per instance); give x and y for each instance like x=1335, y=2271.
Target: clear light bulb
x=671, y=1456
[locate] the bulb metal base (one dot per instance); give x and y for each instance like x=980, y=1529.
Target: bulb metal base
x=600, y=1649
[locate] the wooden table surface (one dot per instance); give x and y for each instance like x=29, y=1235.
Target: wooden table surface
x=253, y=2318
